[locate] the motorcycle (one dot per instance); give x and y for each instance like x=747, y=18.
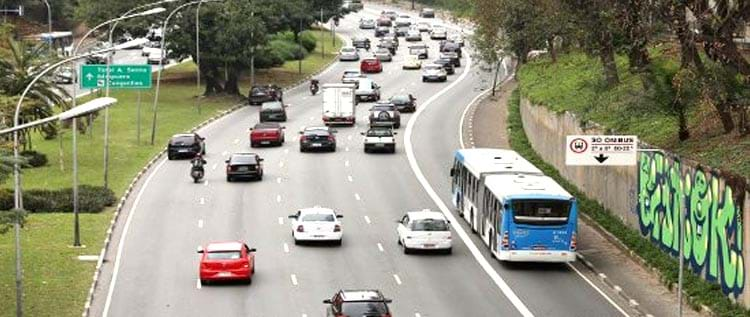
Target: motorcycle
x=314, y=87
x=197, y=172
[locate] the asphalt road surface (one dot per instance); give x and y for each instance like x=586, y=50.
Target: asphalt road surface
x=156, y=273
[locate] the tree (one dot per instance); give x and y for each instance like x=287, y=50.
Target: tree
x=595, y=20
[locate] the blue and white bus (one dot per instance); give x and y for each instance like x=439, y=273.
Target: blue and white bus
x=520, y=214
x=471, y=166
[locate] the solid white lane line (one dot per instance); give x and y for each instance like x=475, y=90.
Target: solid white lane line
x=367, y=220
x=200, y=223
x=356, y=196
x=198, y=283
x=346, y=163
x=278, y=198
x=278, y=180
x=121, y=245
x=494, y=276
x=350, y=178
x=463, y=117
x=398, y=279
x=294, y=279
x=286, y=247
x=380, y=247
x=598, y=290
x=281, y=220
x=304, y=315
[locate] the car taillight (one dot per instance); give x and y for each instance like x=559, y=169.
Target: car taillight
x=505, y=243
x=325, y=119
x=302, y=138
x=337, y=228
x=573, y=242
x=300, y=228
x=229, y=168
x=330, y=138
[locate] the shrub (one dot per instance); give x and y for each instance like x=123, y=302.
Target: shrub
x=91, y=199
x=34, y=158
x=308, y=40
x=289, y=51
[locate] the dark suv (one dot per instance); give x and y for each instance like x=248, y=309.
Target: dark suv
x=358, y=303
x=361, y=42
x=185, y=145
x=385, y=114
x=247, y=165
x=260, y=94
x=272, y=111
x=404, y=102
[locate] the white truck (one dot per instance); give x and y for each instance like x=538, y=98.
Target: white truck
x=339, y=101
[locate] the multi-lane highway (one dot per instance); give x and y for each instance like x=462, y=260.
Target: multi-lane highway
x=155, y=271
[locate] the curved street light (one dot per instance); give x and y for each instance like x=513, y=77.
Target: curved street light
x=17, y=197
x=161, y=60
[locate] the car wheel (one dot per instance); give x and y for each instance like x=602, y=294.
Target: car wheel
x=449, y=251
x=229, y=179
x=406, y=250
x=398, y=241
x=204, y=282
x=333, y=148
x=424, y=80
x=397, y=125
x=393, y=149
x=249, y=280
x=203, y=151
x=170, y=156
x=339, y=241
x=253, y=144
x=302, y=149
x=297, y=242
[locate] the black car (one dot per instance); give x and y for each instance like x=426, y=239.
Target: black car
x=264, y=93
x=451, y=46
x=427, y=13
x=317, y=138
x=453, y=57
x=185, y=145
x=244, y=165
x=380, y=31
x=361, y=42
x=272, y=111
x=357, y=303
x=389, y=45
x=404, y=102
x=447, y=65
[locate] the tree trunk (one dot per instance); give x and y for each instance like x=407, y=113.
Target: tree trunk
x=724, y=111
x=607, y=57
x=209, y=72
x=231, y=87
x=552, y=49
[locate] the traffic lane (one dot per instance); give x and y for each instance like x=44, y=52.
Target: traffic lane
x=530, y=282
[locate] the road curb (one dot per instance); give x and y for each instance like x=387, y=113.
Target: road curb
x=121, y=204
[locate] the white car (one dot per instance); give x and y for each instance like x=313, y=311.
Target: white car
x=403, y=20
x=438, y=33
x=413, y=35
x=149, y=47
x=380, y=139
x=352, y=76
x=457, y=38
x=424, y=27
x=316, y=224
x=155, y=56
x=434, y=72
x=348, y=53
x=412, y=62
x=424, y=230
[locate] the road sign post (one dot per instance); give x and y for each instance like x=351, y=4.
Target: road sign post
x=601, y=150
x=121, y=76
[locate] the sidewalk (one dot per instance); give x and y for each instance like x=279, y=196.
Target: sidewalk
x=485, y=126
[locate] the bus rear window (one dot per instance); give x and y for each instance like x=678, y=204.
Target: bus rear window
x=541, y=212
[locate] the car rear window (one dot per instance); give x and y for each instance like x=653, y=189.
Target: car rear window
x=258, y=91
x=429, y=225
x=182, y=140
x=318, y=217
x=379, y=133
x=271, y=106
x=266, y=125
x=364, y=308
x=316, y=133
x=400, y=99
x=223, y=255
x=383, y=107
x=243, y=159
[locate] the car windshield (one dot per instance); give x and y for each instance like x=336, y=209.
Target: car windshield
x=243, y=159
x=364, y=308
x=271, y=106
x=223, y=255
x=429, y=225
x=183, y=140
x=266, y=125
x=379, y=133
x=433, y=67
x=318, y=217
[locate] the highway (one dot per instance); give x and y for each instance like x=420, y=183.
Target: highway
x=156, y=271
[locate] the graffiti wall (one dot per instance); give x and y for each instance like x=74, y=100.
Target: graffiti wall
x=711, y=207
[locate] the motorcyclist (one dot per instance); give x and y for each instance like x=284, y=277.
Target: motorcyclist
x=314, y=83
x=198, y=161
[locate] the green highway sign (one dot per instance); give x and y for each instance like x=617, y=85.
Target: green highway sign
x=121, y=76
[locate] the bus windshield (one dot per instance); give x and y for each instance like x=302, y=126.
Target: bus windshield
x=541, y=212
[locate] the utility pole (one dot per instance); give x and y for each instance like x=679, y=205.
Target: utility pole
x=412, y=4
x=494, y=78
x=299, y=47
x=252, y=52
x=322, y=42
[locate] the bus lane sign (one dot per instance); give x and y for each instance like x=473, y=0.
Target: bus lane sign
x=601, y=150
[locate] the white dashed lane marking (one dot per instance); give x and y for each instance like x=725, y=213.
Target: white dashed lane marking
x=224, y=153
x=286, y=248
x=203, y=201
x=200, y=223
x=294, y=279
x=346, y=149
x=278, y=198
x=346, y=163
x=281, y=164
x=281, y=220
x=198, y=283
x=356, y=196
x=213, y=167
x=205, y=183
x=278, y=180
x=350, y=178
x=380, y=247
x=367, y=220
x=398, y=279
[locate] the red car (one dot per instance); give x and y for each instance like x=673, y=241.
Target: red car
x=226, y=261
x=371, y=65
x=266, y=133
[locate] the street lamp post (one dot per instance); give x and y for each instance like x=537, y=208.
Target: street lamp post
x=161, y=61
x=76, y=229
x=198, y=57
x=49, y=17
x=106, y=84
x=17, y=195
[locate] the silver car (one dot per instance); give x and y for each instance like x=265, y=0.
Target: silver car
x=413, y=35
x=64, y=75
x=438, y=33
x=366, y=24
x=434, y=72
x=384, y=55
x=348, y=53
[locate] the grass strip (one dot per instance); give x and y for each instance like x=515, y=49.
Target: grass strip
x=699, y=291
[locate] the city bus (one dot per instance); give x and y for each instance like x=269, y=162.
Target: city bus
x=60, y=41
x=505, y=198
x=470, y=166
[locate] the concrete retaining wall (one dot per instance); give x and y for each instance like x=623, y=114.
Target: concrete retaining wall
x=649, y=197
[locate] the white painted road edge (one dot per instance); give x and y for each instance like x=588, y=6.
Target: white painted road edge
x=501, y=284
x=133, y=208
x=463, y=146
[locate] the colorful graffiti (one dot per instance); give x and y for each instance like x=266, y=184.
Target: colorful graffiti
x=712, y=218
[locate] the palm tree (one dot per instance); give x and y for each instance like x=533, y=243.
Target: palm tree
x=20, y=64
